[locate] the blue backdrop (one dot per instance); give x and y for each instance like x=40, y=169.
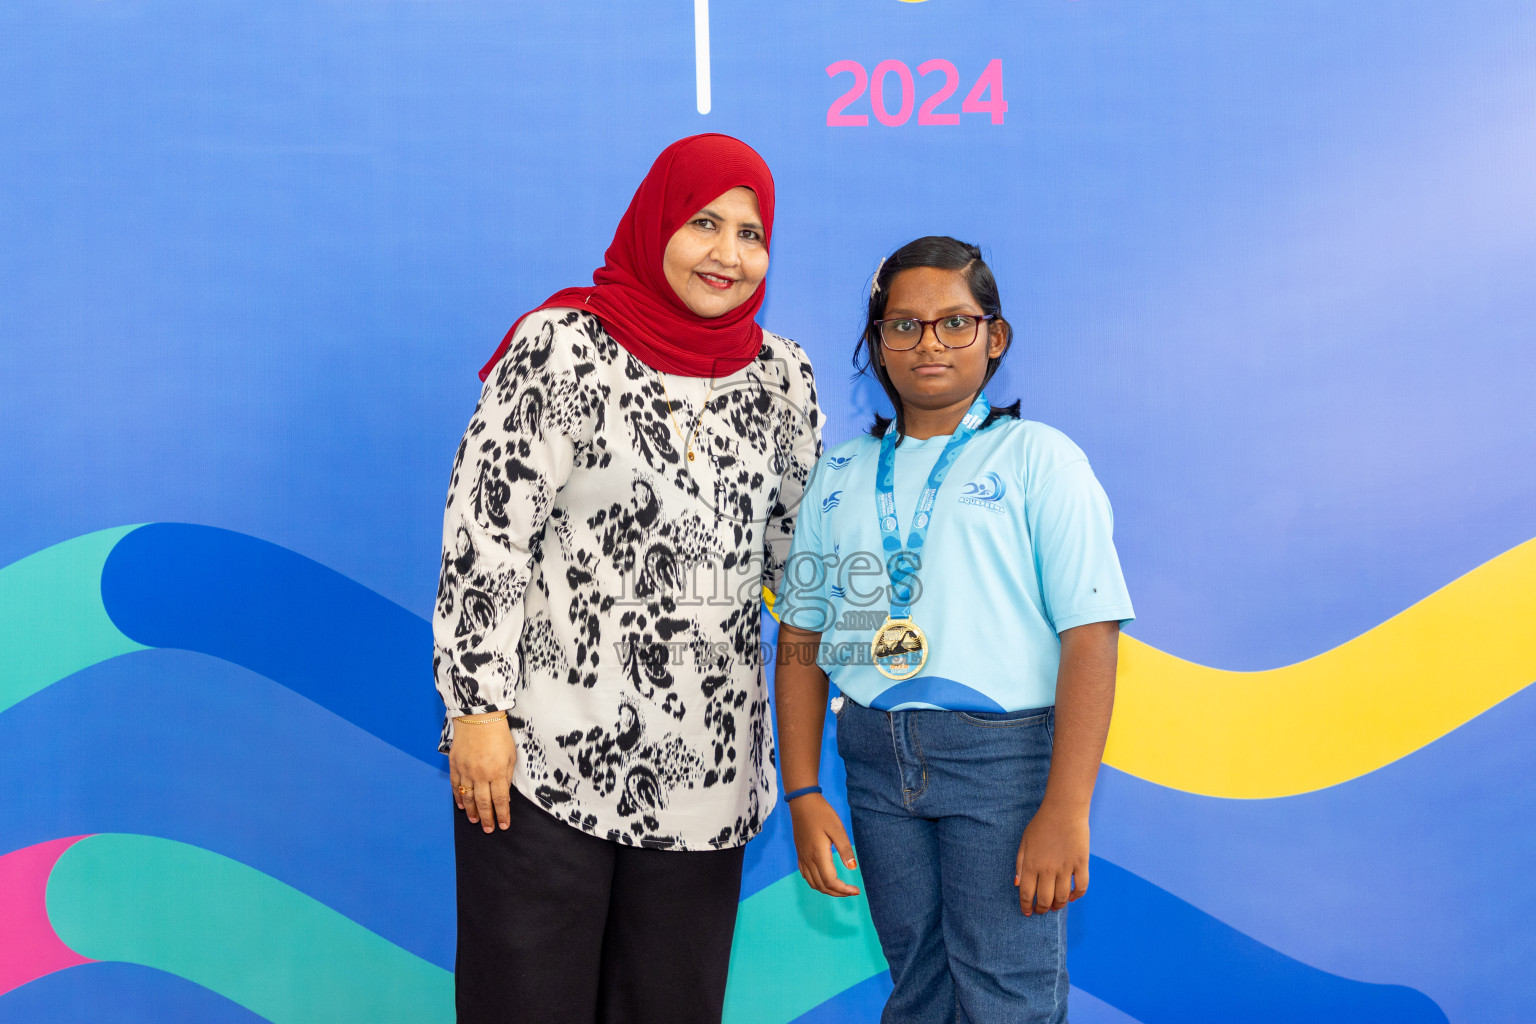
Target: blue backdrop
x=1272, y=265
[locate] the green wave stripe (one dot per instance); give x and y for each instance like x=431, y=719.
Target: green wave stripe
x=795, y=949
x=52, y=621
x=241, y=933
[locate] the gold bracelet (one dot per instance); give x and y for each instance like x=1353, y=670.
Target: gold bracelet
x=484, y=721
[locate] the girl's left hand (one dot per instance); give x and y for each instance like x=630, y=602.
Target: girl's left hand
x=1052, y=854
x=818, y=830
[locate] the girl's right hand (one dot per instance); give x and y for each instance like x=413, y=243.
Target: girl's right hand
x=480, y=769
x=818, y=830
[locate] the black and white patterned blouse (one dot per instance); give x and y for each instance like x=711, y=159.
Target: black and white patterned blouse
x=606, y=591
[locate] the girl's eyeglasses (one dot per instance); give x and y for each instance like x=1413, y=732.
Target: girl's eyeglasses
x=958, y=330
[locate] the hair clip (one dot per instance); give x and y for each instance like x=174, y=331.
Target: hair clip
x=874, y=282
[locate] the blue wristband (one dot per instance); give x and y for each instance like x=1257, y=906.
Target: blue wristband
x=802, y=791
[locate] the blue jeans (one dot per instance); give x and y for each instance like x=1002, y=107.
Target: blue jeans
x=939, y=801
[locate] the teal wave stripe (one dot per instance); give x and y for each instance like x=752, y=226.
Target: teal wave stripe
x=795, y=949
x=241, y=933
x=52, y=621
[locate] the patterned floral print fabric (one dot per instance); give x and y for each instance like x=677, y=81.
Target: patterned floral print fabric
x=605, y=590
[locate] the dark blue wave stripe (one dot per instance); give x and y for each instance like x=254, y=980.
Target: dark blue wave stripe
x=293, y=620
x=860, y=1004
x=121, y=994
x=1164, y=961
x=191, y=748
x=938, y=691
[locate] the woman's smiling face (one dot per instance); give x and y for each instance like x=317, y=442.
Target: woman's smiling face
x=717, y=260
x=932, y=376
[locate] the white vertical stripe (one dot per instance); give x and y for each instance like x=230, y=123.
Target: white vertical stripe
x=701, y=53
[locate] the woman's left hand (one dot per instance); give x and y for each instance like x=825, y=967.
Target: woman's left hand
x=1053, y=852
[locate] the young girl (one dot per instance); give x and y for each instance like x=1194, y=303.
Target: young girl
x=954, y=575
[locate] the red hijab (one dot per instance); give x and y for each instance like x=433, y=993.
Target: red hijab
x=630, y=293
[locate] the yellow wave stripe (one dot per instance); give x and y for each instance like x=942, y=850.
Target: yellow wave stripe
x=1341, y=714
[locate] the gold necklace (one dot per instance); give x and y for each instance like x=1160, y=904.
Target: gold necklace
x=688, y=438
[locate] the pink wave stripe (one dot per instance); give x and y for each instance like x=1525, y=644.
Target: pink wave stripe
x=29, y=947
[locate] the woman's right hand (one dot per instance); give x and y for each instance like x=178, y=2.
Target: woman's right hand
x=480, y=768
x=818, y=830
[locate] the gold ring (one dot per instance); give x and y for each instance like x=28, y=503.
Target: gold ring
x=464, y=791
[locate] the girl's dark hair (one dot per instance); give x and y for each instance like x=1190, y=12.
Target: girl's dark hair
x=942, y=253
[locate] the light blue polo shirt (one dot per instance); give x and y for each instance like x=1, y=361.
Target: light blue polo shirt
x=1021, y=548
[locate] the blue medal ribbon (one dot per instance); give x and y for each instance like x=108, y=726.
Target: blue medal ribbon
x=902, y=563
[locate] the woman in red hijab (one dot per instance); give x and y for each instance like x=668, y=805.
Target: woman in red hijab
x=624, y=491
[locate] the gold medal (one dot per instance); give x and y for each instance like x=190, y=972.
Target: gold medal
x=899, y=649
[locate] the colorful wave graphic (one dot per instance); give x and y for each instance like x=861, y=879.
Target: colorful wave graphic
x=185, y=747
x=1149, y=952
x=1338, y=877
x=220, y=924
x=1388, y=692
x=227, y=595
x=29, y=947
x=68, y=612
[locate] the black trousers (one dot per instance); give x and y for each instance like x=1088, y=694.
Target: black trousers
x=559, y=927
